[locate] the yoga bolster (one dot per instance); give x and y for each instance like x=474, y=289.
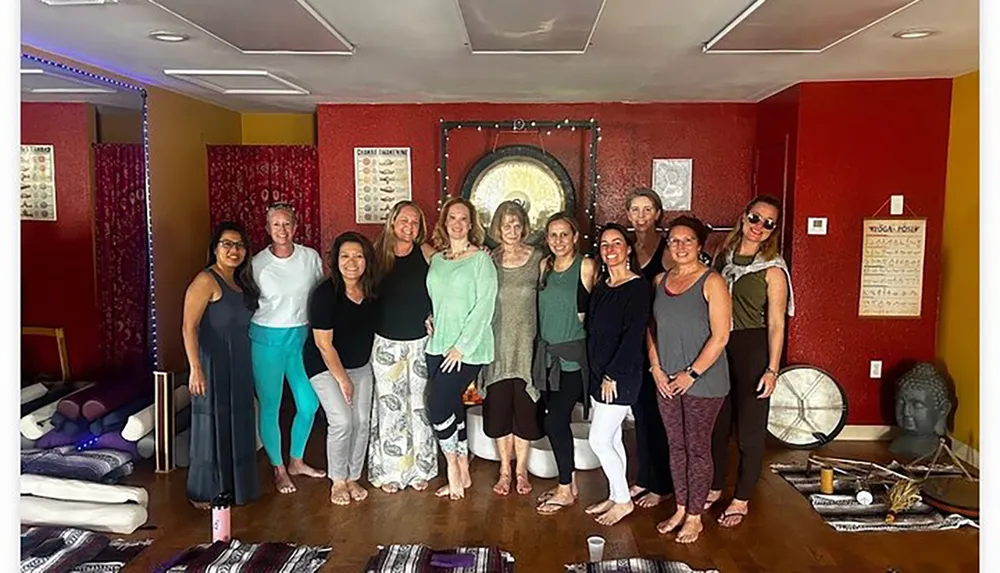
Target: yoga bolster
x=101, y=398
x=53, y=396
x=57, y=438
x=78, y=490
x=123, y=518
x=112, y=441
x=27, y=444
x=33, y=392
x=116, y=420
x=144, y=421
x=38, y=422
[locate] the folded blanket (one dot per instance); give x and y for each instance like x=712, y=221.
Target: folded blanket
x=49, y=550
x=79, y=490
x=237, y=557
x=102, y=466
x=122, y=518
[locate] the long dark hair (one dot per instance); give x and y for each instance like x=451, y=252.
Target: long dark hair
x=367, y=281
x=550, y=258
x=633, y=257
x=243, y=275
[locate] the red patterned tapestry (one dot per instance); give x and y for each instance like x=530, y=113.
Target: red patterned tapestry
x=244, y=179
x=122, y=266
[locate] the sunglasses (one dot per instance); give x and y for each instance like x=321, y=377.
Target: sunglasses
x=754, y=218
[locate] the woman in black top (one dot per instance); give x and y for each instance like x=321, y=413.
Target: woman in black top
x=616, y=326
x=653, y=481
x=403, y=450
x=337, y=360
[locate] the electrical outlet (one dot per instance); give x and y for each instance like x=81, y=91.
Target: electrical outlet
x=875, y=369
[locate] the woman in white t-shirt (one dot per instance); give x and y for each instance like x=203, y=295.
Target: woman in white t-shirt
x=287, y=274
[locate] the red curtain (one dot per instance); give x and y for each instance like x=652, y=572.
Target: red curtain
x=122, y=265
x=244, y=179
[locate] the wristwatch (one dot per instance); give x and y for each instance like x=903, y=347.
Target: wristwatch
x=694, y=374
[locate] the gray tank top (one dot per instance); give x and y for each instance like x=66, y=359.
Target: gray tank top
x=682, y=329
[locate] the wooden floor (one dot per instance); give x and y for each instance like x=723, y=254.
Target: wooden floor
x=781, y=534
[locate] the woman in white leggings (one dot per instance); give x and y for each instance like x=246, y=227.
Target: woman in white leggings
x=616, y=325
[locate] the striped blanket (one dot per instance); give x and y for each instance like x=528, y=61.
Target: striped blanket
x=635, y=565
x=65, y=550
x=238, y=557
x=423, y=559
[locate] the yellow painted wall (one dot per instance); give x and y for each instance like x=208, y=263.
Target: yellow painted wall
x=279, y=129
x=958, y=325
x=179, y=129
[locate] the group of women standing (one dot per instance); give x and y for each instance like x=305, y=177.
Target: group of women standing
x=389, y=343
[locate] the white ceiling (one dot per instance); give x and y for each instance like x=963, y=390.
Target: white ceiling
x=417, y=50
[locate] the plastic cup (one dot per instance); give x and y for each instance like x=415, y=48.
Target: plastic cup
x=595, y=545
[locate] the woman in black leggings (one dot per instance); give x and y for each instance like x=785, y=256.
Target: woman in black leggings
x=560, y=369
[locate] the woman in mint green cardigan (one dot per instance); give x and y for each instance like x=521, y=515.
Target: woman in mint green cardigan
x=462, y=284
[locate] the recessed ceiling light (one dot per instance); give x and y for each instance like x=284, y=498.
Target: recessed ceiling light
x=913, y=34
x=165, y=36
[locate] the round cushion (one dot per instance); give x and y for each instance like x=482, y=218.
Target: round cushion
x=541, y=460
x=583, y=456
x=481, y=445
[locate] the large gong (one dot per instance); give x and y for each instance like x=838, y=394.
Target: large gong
x=522, y=173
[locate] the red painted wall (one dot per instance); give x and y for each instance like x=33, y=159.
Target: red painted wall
x=58, y=286
x=719, y=137
x=775, y=155
x=858, y=143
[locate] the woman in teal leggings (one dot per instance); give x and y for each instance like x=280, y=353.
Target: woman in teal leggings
x=287, y=273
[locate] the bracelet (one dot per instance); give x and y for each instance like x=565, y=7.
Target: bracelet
x=771, y=371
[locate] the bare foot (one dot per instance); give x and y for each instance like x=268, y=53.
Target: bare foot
x=339, y=493
x=420, y=485
x=734, y=514
x=523, y=484
x=455, y=488
x=202, y=505
x=599, y=507
x=358, y=493
x=615, y=513
x=649, y=500
x=713, y=496
x=391, y=487
x=463, y=472
x=635, y=490
x=502, y=487
x=297, y=467
x=668, y=525
x=692, y=528
x=282, y=481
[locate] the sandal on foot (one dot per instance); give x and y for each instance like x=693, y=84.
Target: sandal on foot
x=550, y=507
x=739, y=515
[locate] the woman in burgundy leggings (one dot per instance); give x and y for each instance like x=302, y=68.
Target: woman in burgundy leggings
x=687, y=345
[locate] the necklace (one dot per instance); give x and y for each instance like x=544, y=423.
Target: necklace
x=451, y=255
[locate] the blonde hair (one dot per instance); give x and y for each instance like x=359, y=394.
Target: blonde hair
x=769, y=248
x=385, y=243
x=648, y=194
x=503, y=210
x=440, y=236
x=283, y=208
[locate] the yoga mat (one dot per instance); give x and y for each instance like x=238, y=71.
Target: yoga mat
x=79, y=490
x=116, y=420
x=144, y=421
x=33, y=392
x=38, y=421
x=121, y=518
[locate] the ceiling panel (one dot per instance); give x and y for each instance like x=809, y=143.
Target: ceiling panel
x=800, y=25
x=532, y=26
x=236, y=82
x=262, y=26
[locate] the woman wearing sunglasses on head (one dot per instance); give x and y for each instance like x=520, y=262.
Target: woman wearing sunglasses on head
x=760, y=283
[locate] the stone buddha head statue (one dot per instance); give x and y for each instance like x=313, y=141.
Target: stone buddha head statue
x=922, y=408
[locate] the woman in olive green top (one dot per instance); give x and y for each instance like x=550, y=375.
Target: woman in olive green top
x=760, y=284
x=462, y=284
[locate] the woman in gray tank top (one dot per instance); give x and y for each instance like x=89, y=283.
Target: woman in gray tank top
x=687, y=344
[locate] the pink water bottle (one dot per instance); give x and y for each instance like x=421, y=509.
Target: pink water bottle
x=221, y=518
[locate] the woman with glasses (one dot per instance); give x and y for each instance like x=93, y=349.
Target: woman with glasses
x=402, y=450
x=687, y=345
x=217, y=309
x=652, y=483
x=287, y=272
x=760, y=283
x=616, y=328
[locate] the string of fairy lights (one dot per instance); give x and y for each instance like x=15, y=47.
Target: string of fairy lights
x=151, y=276
x=590, y=126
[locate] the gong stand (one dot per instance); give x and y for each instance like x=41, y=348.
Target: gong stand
x=520, y=125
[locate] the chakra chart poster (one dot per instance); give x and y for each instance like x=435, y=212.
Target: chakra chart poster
x=381, y=179
x=38, y=183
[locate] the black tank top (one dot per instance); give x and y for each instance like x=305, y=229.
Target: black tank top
x=403, y=303
x=655, y=264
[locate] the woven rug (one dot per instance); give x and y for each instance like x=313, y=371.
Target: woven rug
x=635, y=565
x=237, y=557
x=423, y=559
x=843, y=512
x=57, y=550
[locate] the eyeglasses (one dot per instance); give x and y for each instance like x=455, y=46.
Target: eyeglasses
x=754, y=218
x=687, y=242
x=228, y=245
